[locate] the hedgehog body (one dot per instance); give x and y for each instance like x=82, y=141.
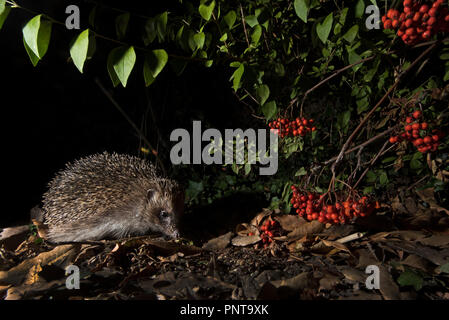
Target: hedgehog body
x=110, y=196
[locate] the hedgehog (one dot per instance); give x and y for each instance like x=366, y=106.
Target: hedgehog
x=110, y=196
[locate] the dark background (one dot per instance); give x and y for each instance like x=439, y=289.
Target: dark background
x=53, y=114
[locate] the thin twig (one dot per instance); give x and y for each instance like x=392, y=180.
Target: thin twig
x=372, y=162
x=364, y=144
x=244, y=25
x=370, y=113
x=120, y=109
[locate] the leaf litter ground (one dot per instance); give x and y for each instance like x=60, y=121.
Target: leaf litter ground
x=408, y=241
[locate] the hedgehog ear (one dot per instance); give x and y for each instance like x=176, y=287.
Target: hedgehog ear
x=150, y=194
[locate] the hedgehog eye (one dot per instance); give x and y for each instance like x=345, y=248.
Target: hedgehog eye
x=150, y=193
x=163, y=214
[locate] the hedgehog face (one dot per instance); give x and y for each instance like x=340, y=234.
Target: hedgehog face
x=163, y=211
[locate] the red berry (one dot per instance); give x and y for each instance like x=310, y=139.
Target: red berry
x=393, y=139
x=410, y=31
x=427, y=140
x=415, y=126
x=408, y=23
x=407, y=3
x=387, y=24
x=435, y=137
x=431, y=21
x=417, y=17
x=424, y=8
x=424, y=125
x=418, y=142
x=433, y=12
x=426, y=34
x=417, y=114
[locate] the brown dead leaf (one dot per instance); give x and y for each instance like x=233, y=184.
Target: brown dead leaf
x=328, y=247
x=10, y=238
x=328, y=281
x=388, y=288
x=300, y=282
x=244, y=229
x=440, y=240
x=417, y=262
x=397, y=206
x=434, y=256
x=164, y=248
x=410, y=204
x=366, y=258
x=428, y=196
x=352, y=274
x=307, y=228
x=218, y=243
x=242, y=241
x=60, y=256
x=257, y=220
x=290, y=222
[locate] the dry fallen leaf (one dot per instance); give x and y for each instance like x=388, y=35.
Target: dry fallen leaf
x=61, y=256
x=218, y=243
x=427, y=195
x=307, y=228
x=290, y=222
x=388, y=288
x=242, y=241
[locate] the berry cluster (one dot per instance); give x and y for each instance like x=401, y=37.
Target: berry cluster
x=418, y=21
x=269, y=229
x=295, y=127
x=418, y=134
x=311, y=206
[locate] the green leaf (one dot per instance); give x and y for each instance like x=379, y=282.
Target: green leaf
x=415, y=162
x=302, y=9
x=206, y=10
x=323, y=29
x=150, y=31
x=2, y=6
x=301, y=172
x=359, y=8
x=4, y=15
x=269, y=109
x=121, y=25
x=161, y=25
x=251, y=21
x=383, y=179
x=237, y=76
x=371, y=176
x=120, y=63
x=230, y=18
x=199, y=40
x=263, y=92
x=341, y=21
x=255, y=36
x=155, y=62
x=410, y=278
x=34, y=59
x=389, y=159
x=194, y=189
x=351, y=33
x=80, y=49
x=37, y=33
x=444, y=268
x=92, y=15
x=247, y=168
